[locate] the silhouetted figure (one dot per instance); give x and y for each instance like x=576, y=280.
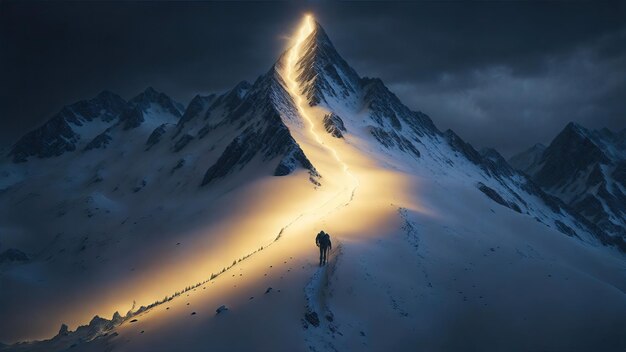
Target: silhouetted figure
x=322, y=240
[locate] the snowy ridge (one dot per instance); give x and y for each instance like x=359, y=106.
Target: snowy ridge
x=528, y=158
x=65, y=129
x=413, y=141
x=264, y=131
x=437, y=239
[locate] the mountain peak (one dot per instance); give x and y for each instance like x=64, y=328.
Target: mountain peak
x=527, y=159
x=149, y=93
x=576, y=128
x=573, y=150
x=322, y=73
x=106, y=94
x=319, y=36
x=151, y=96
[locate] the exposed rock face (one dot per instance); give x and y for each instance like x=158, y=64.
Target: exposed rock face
x=155, y=136
x=496, y=197
x=293, y=159
x=52, y=139
x=460, y=146
x=272, y=141
x=525, y=160
x=234, y=97
x=150, y=96
x=323, y=74
x=263, y=133
x=334, y=125
x=182, y=142
x=395, y=125
x=312, y=318
x=387, y=111
x=494, y=163
x=132, y=117
x=179, y=164
x=391, y=139
x=117, y=318
x=106, y=106
x=221, y=309
x=571, y=151
x=100, y=141
x=197, y=105
x=63, y=331
x=586, y=169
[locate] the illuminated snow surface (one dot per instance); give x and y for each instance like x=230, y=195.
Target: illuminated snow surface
x=435, y=246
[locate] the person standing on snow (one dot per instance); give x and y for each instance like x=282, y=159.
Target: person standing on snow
x=322, y=240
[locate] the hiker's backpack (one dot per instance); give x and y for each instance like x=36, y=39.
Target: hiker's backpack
x=325, y=240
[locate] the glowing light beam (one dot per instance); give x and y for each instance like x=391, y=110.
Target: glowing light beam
x=291, y=79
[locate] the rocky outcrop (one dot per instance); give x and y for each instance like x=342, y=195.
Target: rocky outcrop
x=150, y=97
x=334, y=125
x=131, y=118
x=155, y=136
x=272, y=141
x=100, y=141
x=197, y=105
x=182, y=142
x=392, y=139
x=496, y=197
x=54, y=138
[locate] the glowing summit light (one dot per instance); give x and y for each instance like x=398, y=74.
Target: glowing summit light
x=291, y=79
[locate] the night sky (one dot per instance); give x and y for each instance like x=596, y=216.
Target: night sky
x=501, y=74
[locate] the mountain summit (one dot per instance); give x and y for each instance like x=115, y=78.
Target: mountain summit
x=322, y=73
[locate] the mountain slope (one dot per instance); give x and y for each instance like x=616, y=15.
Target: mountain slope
x=97, y=202
x=528, y=158
x=585, y=169
x=63, y=131
x=431, y=237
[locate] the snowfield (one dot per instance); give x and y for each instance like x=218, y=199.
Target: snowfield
x=436, y=246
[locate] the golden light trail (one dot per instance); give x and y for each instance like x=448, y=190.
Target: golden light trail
x=253, y=215
x=291, y=79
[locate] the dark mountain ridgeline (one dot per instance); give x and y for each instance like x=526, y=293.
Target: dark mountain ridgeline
x=585, y=168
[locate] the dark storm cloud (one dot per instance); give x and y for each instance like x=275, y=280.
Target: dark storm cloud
x=500, y=74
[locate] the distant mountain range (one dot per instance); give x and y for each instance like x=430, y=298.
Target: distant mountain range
x=587, y=170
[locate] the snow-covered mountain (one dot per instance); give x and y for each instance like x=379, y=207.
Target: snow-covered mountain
x=138, y=206
x=525, y=160
x=587, y=170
